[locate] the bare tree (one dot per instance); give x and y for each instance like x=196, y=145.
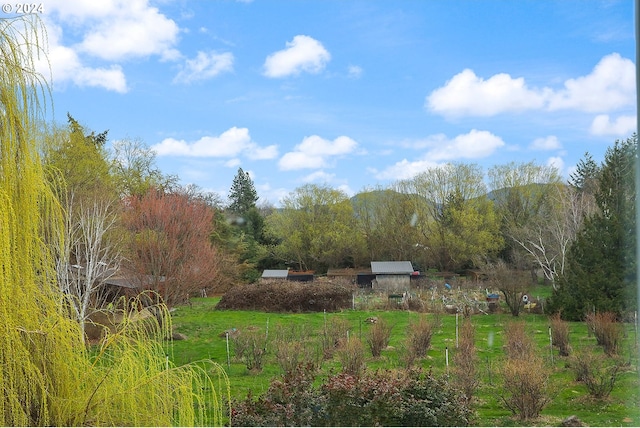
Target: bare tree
x=87, y=257
x=547, y=239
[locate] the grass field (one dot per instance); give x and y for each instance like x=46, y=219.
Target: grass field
x=204, y=328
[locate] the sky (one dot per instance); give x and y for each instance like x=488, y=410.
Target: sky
x=346, y=93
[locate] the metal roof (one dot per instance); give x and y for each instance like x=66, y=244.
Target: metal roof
x=404, y=267
x=275, y=273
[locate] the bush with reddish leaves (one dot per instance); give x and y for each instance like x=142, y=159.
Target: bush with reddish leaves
x=287, y=296
x=382, y=398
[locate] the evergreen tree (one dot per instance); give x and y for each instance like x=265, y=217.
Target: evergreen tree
x=601, y=266
x=585, y=177
x=243, y=195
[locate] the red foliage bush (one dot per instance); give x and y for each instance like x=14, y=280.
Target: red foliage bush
x=287, y=296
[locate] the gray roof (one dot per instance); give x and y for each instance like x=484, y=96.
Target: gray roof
x=404, y=268
x=275, y=273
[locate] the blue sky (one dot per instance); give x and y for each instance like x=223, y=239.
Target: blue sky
x=352, y=94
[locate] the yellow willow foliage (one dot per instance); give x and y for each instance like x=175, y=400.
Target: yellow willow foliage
x=47, y=374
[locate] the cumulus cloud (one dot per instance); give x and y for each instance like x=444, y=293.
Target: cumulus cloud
x=469, y=95
x=108, y=30
x=473, y=145
x=204, y=66
x=119, y=29
x=556, y=162
x=65, y=66
x=547, y=143
x=303, y=53
x=609, y=86
x=622, y=126
x=230, y=144
x=315, y=152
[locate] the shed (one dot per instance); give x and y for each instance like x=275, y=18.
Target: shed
x=392, y=277
x=268, y=274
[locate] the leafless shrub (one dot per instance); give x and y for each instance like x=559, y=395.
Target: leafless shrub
x=607, y=330
x=378, y=337
x=518, y=345
x=560, y=334
x=418, y=339
x=350, y=352
x=598, y=374
x=293, y=348
x=251, y=346
x=525, y=387
x=334, y=330
x=465, y=361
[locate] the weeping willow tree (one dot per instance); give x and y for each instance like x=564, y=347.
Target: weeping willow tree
x=47, y=374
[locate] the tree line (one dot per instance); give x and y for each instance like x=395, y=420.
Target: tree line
x=180, y=241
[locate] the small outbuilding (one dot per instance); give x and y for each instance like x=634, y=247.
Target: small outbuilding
x=274, y=274
x=392, y=277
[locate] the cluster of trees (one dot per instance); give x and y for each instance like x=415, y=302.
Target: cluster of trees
x=123, y=216
x=51, y=219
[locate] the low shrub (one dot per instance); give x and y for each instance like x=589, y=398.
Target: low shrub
x=335, y=329
x=287, y=296
x=598, y=374
x=525, y=387
x=350, y=353
x=292, y=348
x=251, y=347
x=379, y=336
x=607, y=330
x=290, y=400
x=382, y=398
x=518, y=344
x=419, y=335
x=465, y=361
x=560, y=334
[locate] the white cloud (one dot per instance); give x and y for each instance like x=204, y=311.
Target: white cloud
x=622, y=126
x=315, y=152
x=232, y=163
x=65, y=66
x=469, y=95
x=319, y=176
x=303, y=53
x=354, y=71
x=476, y=144
x=204, y=66
x=473, y=145
x=556, y=162
x=547, y=143
x=609, y=86
x=230, y=144
x=404, y=169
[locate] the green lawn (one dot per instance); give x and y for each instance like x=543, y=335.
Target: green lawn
x=204, y=328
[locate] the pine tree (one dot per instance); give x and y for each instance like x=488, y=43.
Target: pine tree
x=601, y=266
x=243, y=195
x=585, y=177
